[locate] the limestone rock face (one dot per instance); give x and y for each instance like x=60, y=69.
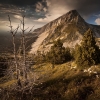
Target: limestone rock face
x=69, y=28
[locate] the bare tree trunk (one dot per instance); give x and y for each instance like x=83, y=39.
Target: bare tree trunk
x=23, y=43
x=15, y=57
x=24, y=50
x=14, y=45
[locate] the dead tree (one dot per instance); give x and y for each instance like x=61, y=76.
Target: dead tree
x=13, y=33
x=23, y=47
x=22, y=27
x=20, y=62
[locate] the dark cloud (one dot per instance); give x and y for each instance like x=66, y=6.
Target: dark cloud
x=18, y=7
x=88, y=7
x=84, y=7
x=41, y=12
x=20, y=2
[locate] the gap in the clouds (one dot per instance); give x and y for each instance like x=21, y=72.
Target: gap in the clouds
x=91, y=20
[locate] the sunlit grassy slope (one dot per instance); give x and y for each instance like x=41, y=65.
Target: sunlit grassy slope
x=63, y=82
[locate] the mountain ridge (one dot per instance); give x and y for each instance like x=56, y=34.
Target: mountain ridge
x=69, y=27
x=50, y=23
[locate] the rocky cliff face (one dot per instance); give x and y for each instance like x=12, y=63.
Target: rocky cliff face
x=69, y=28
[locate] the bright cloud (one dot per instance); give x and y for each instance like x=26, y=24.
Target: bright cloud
x=53, y=8
x=97, y=21
x=17, y=16
x=56, y=8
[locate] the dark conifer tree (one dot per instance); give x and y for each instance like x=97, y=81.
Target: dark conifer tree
x=88, y=53
x=58, y=53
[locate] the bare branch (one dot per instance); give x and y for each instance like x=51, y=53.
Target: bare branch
x=27, y=47
x=16, y=30
x=26, y=29
x=20, y=27
x=20, y=21
x=31, y=29
x=10, y=24
x=30, y=39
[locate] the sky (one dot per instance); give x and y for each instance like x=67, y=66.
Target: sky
x=40, y=12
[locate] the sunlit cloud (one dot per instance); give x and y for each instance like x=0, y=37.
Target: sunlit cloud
x=56, y=8
x=17, y=16
x=97, y=21
x=40, y=12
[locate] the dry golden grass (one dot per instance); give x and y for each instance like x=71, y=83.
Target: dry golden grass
x=64, y=82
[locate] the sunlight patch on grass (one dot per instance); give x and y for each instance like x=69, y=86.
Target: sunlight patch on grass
x=7, y=84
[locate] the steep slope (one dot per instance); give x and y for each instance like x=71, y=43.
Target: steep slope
x=6, y=45
x=63, y=82
x=69, y=28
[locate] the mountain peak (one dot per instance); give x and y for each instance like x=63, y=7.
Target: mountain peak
x=72, y=12
x=69, y=17
x=73, y=15
x=69, y=27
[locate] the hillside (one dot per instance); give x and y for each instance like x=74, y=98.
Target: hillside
x=70, y=28
x=62, y=73
x=6, y=45
x=63, y=82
